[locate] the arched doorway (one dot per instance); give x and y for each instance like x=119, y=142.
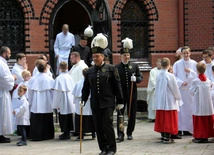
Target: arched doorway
x=78, y=14
x=68, y=12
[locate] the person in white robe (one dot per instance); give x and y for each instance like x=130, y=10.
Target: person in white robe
x=153, y=74
x=26, y=75
x=40, y=96
x=22, y=115
x=62, y=46
x=35, y=70
x=87, y=119
x=76, y=72
x=6, y=84
x=185, y=71
x=19, y=67
x=207, y=60
x=203, y=113
x=78, y=65
x=63, y=100
x=166, y=104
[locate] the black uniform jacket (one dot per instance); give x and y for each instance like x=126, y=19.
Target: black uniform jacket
x=125, y=72
x=104, y=85
x=83, y=51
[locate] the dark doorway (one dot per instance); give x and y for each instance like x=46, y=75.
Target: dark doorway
x=68, y=12
x=78, y=14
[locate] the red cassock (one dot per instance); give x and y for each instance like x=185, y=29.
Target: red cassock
x=166, y=121
x=203, y=126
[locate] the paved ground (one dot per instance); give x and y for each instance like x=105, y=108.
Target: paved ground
x=145, y=142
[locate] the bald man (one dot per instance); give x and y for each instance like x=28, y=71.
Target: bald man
x=63, y=43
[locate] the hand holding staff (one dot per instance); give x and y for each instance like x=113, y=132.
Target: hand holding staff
x=133, y=79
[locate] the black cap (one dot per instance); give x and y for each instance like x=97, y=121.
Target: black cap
x=97, y=50
x=83, y=37
x=124, y=50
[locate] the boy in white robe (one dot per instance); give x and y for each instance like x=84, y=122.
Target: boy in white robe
x=185, y=71
x=87, y=119
x=22, y=115
x=203, y=113
x=63, y=100
x=167, y=96
x=40, y=96
x=35, y=70
x=19, y=67
x=26, y=75
x=207, y=60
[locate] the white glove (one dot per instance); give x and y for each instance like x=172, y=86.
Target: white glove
x=82, y=103
x=133, y=78
x=92, y=63
x=120, y=106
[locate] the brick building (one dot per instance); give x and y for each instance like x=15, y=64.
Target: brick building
x=157, y=27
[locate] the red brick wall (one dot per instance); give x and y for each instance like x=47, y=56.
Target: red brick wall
x=166, y=28
x=199, y=24
x=199, y=28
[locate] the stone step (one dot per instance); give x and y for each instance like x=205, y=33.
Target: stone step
x=144, y=64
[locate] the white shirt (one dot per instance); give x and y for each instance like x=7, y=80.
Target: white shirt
x=22, y=113
x=153, y=74
x=202, y=97
x=40, y=94
x=17, y=70
x=167, y=93
x=178, y=71
x=6, y=84
x=63, y=44
x=77, y=92
x=62, y=95
x=208, y=71
x=76, y=71
x=35, y=72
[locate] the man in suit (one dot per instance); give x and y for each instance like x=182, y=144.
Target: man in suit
x=102, y=81
x=130, y=75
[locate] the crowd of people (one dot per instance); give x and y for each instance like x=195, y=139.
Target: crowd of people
x=180, y=97
x=28, y=101
x=86, y=93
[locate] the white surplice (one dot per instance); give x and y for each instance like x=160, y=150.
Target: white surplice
x=167, y=93
x=16, y=101
x=208, y=71
x=40, y=94
x=22, y=113
x=153, y=74
x=76, y=71
x=6, y=84
x=185, y=114
x=77, y=92
x=62, y=46
x=17, y=70
x=35, y=71
x=201, y=92
x=62, y=94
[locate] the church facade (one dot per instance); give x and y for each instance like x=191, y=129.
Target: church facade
x=157, y=27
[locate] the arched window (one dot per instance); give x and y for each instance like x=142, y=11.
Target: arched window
x=11, y=26
x=134, y=24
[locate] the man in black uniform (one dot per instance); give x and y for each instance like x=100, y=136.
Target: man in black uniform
x=130, y=75
x=102, y=81
x=83, y=50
